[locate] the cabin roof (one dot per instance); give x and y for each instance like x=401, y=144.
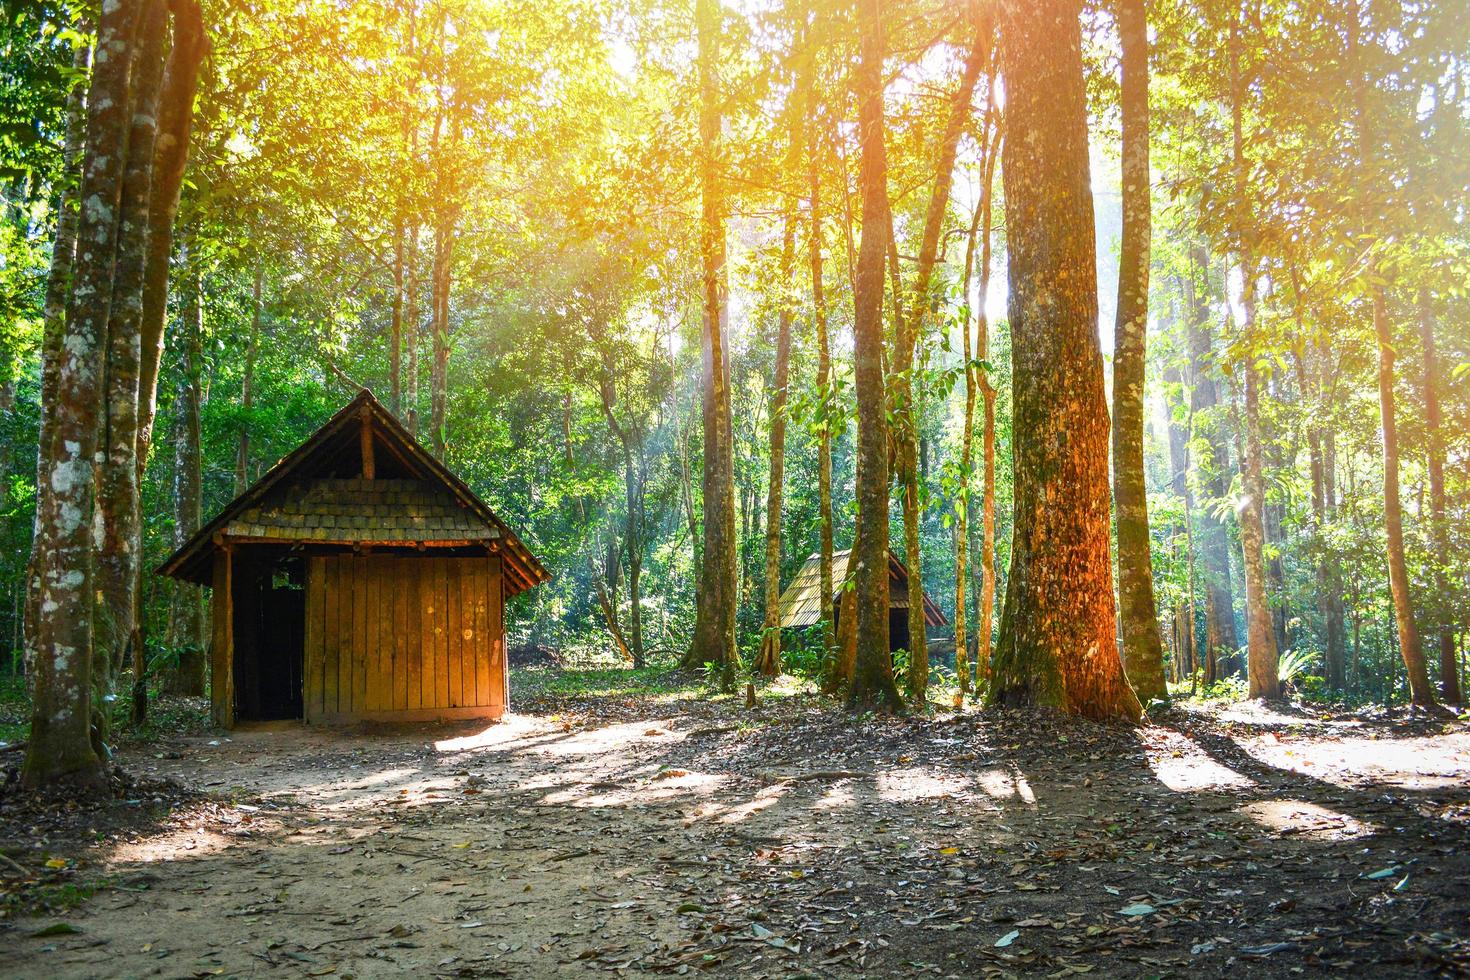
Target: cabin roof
x=801, y=603
x=423, y=503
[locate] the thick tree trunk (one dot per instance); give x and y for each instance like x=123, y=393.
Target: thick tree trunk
x=872, y=680
x=768, y=661
x=1143, y=649
x=54, y=319
x=60, y=746
x=186, y=617
x=910, y=330
x=247, y=383
x=714, y=628
x=1059, y=631
x=119, y=514
x=1449, y=674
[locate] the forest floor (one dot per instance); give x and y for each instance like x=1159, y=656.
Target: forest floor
x=645, y=828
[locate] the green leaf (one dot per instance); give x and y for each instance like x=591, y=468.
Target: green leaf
x=57, y=929
x=1008, y=938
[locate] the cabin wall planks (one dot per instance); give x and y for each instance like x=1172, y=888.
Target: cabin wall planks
x=404, y=638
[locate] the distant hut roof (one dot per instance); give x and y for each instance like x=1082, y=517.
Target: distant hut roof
x=801, y=603
x=295, y=502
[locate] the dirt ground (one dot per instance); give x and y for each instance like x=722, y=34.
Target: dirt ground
x=595, y=834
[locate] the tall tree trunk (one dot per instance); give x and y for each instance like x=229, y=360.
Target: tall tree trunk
x=170, y=157
x=118, y=508
x=60, y=747
x=411, y=315
x=1059, y=631
x=768, y=661
x=910, y=330
x=1214, y=542
x=395, y=326
x=714, y=628
x=1449, y=674
x=1410, y=646
x=439, y=328
x=872, y=680
x=54, y=319
x=1261, y=653
x=247, y=382
x=1143, y=649
x=186, y=618
x=826, y=418
x=975, y=380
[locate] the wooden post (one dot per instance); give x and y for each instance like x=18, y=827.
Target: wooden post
x=369, y=465
x=222, y=647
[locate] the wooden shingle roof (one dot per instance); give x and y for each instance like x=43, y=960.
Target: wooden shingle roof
x=307, y=497
x=360, y=510
x=801, y=603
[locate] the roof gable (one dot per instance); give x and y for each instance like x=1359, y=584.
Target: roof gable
x=315, y=494
x=801, y=603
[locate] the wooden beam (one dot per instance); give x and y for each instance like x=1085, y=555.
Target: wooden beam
x=369, y=465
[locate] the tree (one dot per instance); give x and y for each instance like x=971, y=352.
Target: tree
x=910, y=329
x=1261, y=653
x=186, y=615
x=714, y=630
x=1058, y=633
x=1411, y=647
x=872, y=681
x=1143, y=650
x=61, y=748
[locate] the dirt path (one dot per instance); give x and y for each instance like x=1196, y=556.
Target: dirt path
x=786, y=842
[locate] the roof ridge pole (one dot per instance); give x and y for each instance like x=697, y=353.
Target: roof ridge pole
x=369, y=464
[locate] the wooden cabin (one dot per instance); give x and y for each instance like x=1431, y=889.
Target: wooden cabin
x=801, y=603
x=359, y=579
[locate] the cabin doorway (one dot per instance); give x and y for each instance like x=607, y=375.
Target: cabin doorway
x=270, y=635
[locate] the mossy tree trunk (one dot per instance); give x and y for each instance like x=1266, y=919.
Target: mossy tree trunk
x=1058, y=633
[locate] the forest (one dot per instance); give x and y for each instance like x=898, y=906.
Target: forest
x=877, y=416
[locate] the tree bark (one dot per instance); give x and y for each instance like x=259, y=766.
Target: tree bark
x=118, y=507
x=60, y=748
x=1058, y=634
x=395, y=326
x=170, y=157
x=439, y=328
x=411, y=315
x=714, y=628
x=54, y=312
x=976, y=380
x=1449, y=674
x=872, y=681
x=826, y=415
x=1143, y=650
x=768, y=661
x=247, y=382
x=186, y=617
x=1410, y=646
x=1214, y=474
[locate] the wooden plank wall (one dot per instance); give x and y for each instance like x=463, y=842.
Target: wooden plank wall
x=410, y=637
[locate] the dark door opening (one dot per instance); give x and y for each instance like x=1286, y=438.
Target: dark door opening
x=270, y=637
